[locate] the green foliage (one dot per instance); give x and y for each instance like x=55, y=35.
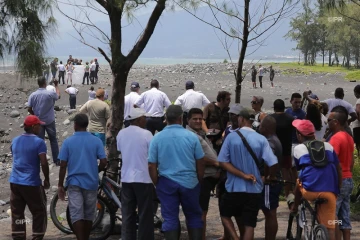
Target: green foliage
x=108, y=102
x=355, y=207
x=225, y=61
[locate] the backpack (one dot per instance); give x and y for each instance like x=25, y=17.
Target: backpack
x=317, y=153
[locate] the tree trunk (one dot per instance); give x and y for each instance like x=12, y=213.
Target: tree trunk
x=323, y=55
x=306, y=58
x=330, y=53
x=239, y=75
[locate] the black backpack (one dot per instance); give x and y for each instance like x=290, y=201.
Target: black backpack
x=317, y=153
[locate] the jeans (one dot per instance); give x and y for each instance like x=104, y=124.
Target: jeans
x=171, y=195
x=62, y=75
x=343, y=203
x=86, y=75
x=72, y=101
x=51, y=131
x=92, y=77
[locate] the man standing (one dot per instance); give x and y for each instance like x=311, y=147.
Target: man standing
x=176, y=155
x=261, y=74
x=53, y=68
x=137, y=188
x=191, y=99
x=45, y=68
x=154, y=102
x=130, y=99
x=212, y=173
x=72, y=96
x=253, y=76
x=29, y=152
x=343, y=145
x=216, y=118
x=99, y=113
x=41, y=103
x=272, y=75
x=244, y=182
x=83, y=175
x=97, y=67
x=92, y=71
x=62, y=70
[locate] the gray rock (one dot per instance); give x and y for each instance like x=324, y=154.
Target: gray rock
x=65, y=134
x=2, y=203
x=14, y=114
x=67, y=122
x=54, y=188
x=47, y=157
x=70, y=111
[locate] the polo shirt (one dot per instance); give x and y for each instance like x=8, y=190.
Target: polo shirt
x=192, y=99
x=297, y=114
x=93, y=67
x=81, y=152
x=234, y=151
x=333, y=102
x=61, y=68
x=130, y=100
x=92, y=95
x=133, y=142
x=98, y=112
x=176, y=151
x=26, y=149
x=42, y=103
x=154, y=102
x=315, y=179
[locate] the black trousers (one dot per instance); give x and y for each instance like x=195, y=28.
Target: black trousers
x=72, y=100
x=185, y=121
x=86, y=75
x=155, y=124
x=92, y=77
x=126, y=123
x=260, y=80
x=137, y=195
x=62, y=75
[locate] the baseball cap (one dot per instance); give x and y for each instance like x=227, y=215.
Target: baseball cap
x=235, y=109
x=100, y=92
x=174, y=111
x=189, y=85
x=248, y=114
x=305, y=127
x=32, y=120
x=136, y=113
x=135, y=85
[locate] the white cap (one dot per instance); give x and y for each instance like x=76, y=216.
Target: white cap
x=136, y=113
x=235, y=109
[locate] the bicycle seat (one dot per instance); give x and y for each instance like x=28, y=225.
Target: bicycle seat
x=320, y=200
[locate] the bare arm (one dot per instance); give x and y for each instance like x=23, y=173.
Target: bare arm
x=102, y=164
x=200, y=168
x=45, y=169
x=210, y=162
x=306, y=95
x=30, y=110
x=204, y=127
x=353, y=117
x=56, y=83
x=153, y=172
x=62, y=172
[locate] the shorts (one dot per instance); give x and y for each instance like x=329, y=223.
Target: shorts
x=326, y=211
x=208, y=184
x=343, y=203
x=101, y=136
x=292, y=154
x=82, y=203
x=253, y=79
x=270, y=197
x=241, y=204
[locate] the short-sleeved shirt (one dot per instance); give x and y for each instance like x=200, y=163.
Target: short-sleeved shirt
x=253, y=73
x=154, y=102
x=319, y=134
x=26, y=149
x=297, y=114
x=42, y=103
x=130, y=100
x=210, y=153
x=133, y=142
x=192, y=99
x=343, y=145
x=176, y=151
x=234, y=151
x=93, y=67
x=92, y=95
x=333, y=102
x=99, y=113
x=53, y=66
x=211, y=116
x=275, y=145
x=81, y=152
x=284, y=130
x=316, y=179
x=229, y=130
x=261, y=72
x=61, y=68
x=72, y=90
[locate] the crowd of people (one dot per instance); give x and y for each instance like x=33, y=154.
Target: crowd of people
x=260, y=72
x=192, y=149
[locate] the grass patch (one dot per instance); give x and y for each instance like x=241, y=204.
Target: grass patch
x=353, y=75
x=355, y=207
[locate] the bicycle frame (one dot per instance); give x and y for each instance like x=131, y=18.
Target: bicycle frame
x=107, y=185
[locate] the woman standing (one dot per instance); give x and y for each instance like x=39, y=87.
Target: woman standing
x=70, y=69
x=314, y=115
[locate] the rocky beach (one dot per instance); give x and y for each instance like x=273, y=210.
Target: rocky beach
x=208, y=78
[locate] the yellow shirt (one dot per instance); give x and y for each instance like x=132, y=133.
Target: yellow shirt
x=98, y=112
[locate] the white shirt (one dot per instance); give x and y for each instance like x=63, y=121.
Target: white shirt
x=130, y=100
x=192, y=99
x=50, y=88
x=333, y=102
x=61, y=67
x=92, y=95
x=356, y=123
x=93, y=66
x=71, y=90
x=133, y=142
x=261, y=71
x=154, y=102
x=319, y=135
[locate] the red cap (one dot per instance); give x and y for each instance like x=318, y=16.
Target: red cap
x=32, y=120
x=305, y=127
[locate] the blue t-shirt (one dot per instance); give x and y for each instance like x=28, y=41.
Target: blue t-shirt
x=317, y=179
x=234, y=151
x=297, y=114
x=81, y=151
x=176, y=150
x=26, y=162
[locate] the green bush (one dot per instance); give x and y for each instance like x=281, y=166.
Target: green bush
x=355, y=207
x=108, y=102
x=225, y=61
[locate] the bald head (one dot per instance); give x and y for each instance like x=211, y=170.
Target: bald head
x=268, y=126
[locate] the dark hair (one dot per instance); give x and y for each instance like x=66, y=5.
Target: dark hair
x=357, y=89
x=222, y=95
x=313, y=114
x=41, y=81
x=341, y=114
x=295, y=95
x=60, y=62
x=27, y=129
x=279, y=105
x=81, y=120
x=339, y=93
x=92, y=88
x=194, y=111
x=270, y=124
x=154, y=83
x=325, y=108
x=68, y=86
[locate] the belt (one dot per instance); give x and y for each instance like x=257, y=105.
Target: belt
x=156, y=117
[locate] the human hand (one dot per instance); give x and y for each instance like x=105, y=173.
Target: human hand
x=219, y=142
x=46, y=184
x=250, y=177
x=61, y=193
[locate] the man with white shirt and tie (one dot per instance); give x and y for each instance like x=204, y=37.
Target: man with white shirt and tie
x=191, y=99
x=154, y=102
x=130, y=100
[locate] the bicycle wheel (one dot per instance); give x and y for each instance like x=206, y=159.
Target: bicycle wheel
x=101, y=229
x=321, y=232
x=58, y=214
x=294, y=230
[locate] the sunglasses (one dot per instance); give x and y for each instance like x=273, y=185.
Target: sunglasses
x=330, y=119
x=254, y=102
